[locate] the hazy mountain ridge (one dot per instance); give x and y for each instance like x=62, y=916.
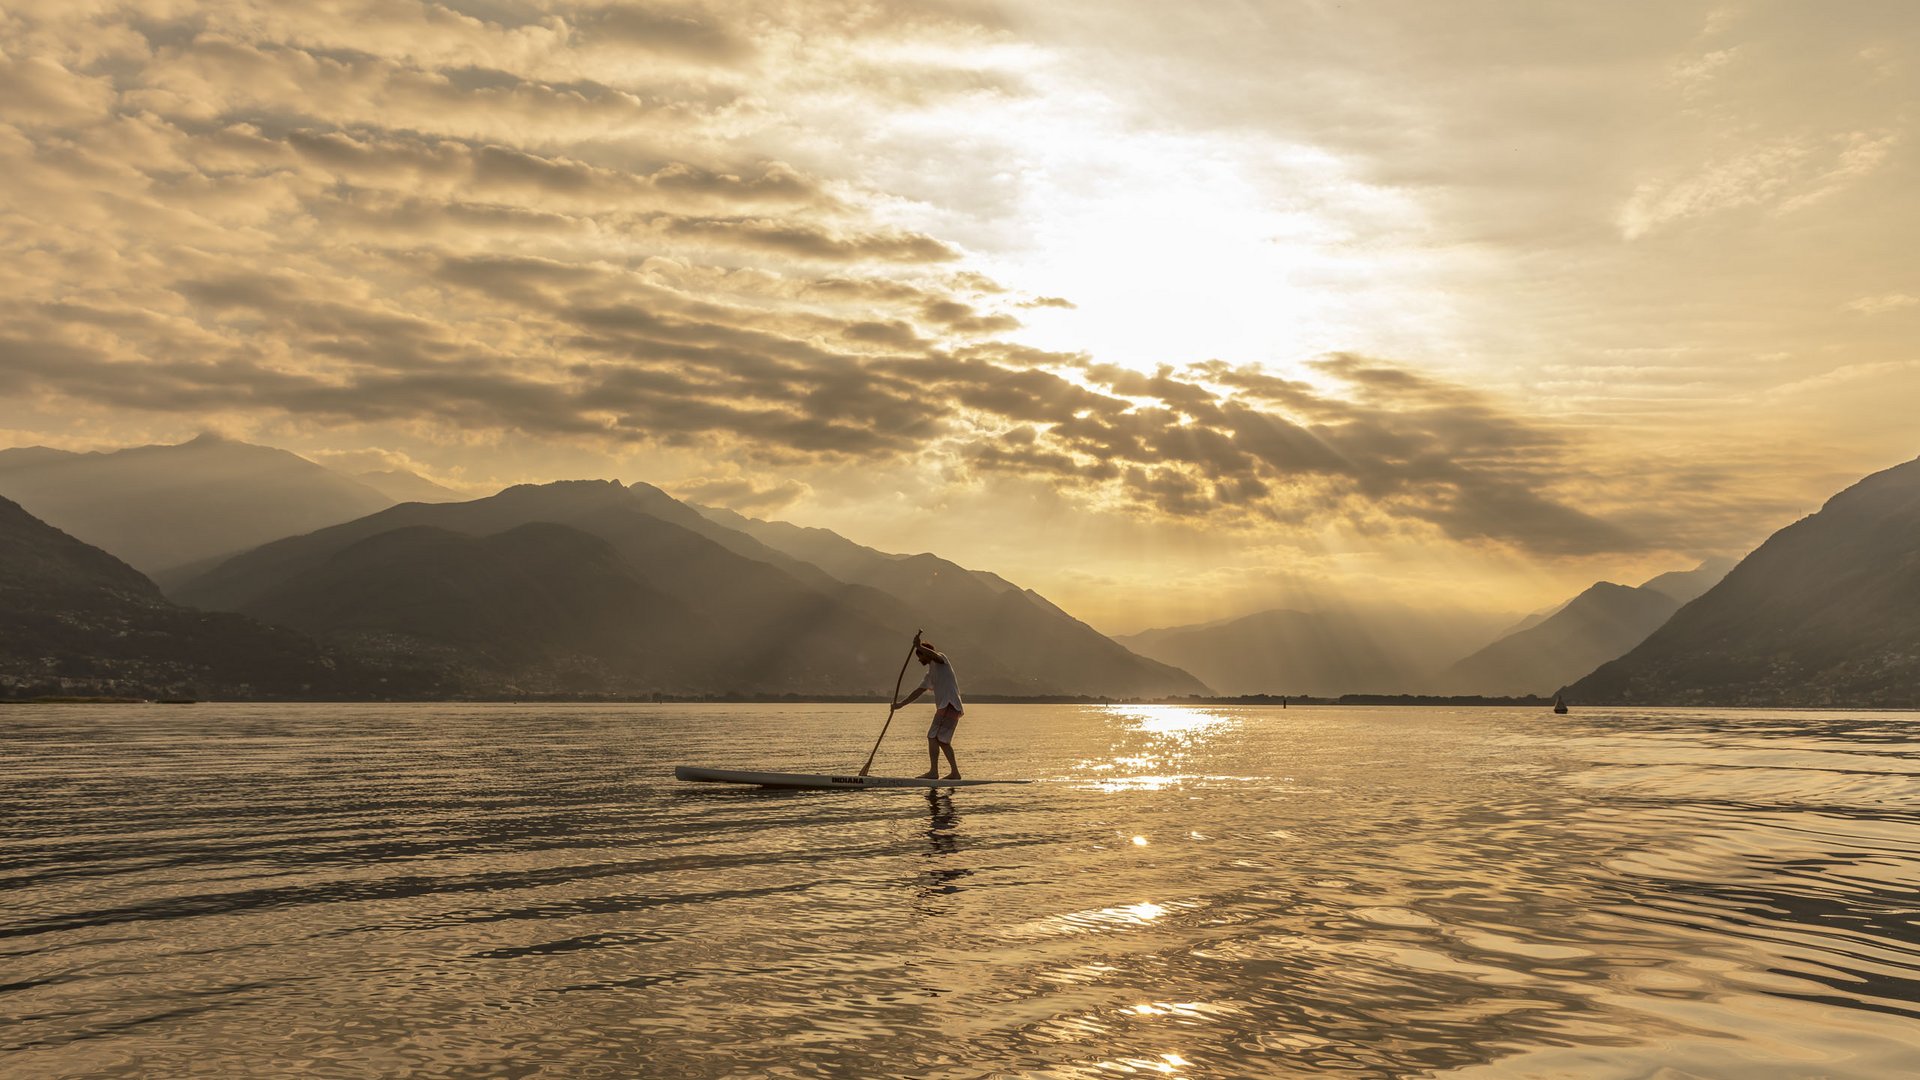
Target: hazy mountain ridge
x=1554, y=647
x=161, y=507
x=742, y=615
x=401, y=486
x=598, y=588
x=76, y=620
x=1592, y=628
x=1387, y=652
x=1826, y=612
x=1684, y=586
x=1284, y=651
x=976, y=613
x=762, y=630
x=540, y=608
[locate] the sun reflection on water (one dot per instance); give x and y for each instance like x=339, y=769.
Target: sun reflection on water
x=1152, y=742
x=1173, y=720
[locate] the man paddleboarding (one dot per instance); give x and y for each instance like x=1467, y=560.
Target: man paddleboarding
x=947, y=708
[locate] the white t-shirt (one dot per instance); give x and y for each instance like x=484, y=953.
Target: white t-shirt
x=946, y=688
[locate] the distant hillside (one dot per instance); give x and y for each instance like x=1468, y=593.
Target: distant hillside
x=745, y=624
x=1592, y=628
x=74, y=620
x=161, y=507
x=1686, y=585
x=540, y=608
x=1320, y=653
x=1532, y=620
x=978, y=615
x=1826, y=612
x=639, y=592
x=399, y=485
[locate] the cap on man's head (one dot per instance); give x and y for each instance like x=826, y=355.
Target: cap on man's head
x=926, y=646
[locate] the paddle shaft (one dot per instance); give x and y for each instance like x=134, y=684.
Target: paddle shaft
x=892, y=702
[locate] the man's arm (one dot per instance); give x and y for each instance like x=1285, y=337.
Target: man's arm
x=917, y=691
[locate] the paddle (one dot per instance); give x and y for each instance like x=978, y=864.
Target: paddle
x=892, y=701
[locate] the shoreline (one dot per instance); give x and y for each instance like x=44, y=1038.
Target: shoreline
x=1242, y=701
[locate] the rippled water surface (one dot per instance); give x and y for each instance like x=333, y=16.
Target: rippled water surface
x=525, y=891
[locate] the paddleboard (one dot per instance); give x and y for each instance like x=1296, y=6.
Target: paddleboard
x=812, y=782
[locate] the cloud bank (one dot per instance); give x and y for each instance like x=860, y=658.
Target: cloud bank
x=545, y=221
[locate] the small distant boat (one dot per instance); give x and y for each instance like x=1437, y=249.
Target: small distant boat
x=1559, y=704
x=821, y=782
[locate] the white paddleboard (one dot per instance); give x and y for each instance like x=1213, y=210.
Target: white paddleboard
x=809, y=781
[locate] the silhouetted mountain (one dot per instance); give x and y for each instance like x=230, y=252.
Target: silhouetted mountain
x=667, y=508
x=76, y=620
x=1826, y=612
x=718, y=610
x=540, y=608
x=1320, y=653
x=1599, y=624
x=399, y=485
x=160, y=507
x=1685, y=585
x=758, y=628
x=1533, y=620
x=979, y=616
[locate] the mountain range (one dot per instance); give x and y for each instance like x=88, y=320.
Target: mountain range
x=1578, y=636
x=160, y=508
x=641, y=592
x=1287, y=652
x=597, y=588
x=1826, y=612
x=1388, y=651
x=1592, y=628
x=399, y=485
x=978, y=613
x=74, y=619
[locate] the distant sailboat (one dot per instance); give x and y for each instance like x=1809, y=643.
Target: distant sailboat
x=1559, y=704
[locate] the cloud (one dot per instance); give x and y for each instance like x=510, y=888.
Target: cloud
x=1880, y=305
x=40, y=92
x=810, y=241
x=686, y=32
x=604, y=225
x=737, y=492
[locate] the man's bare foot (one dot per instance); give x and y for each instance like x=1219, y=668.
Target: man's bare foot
x=930, y=774
x=954, y=775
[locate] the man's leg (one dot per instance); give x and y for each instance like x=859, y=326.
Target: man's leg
x=933, y=760
x=952, y=765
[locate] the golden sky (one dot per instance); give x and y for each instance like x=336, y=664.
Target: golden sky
x=1169, y=311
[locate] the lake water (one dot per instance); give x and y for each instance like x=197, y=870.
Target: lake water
x=494, y=890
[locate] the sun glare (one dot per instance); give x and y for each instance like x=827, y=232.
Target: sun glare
x=1170, y=253
x=1174, y=720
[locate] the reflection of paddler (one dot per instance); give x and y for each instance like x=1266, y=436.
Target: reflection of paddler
x=943, y=840
x=942, y=820
x=947, y=709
